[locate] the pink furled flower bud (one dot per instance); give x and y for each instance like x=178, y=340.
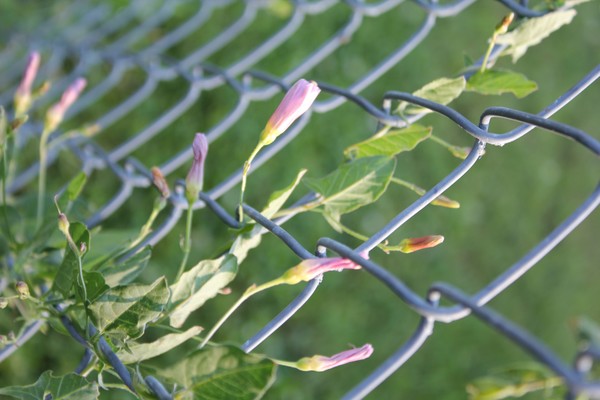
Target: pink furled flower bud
x=313, y=267
x=23, y=94
x=195, y=178
x=415, y=244
x=56, y=113
x=295, y=103
x=321, y=363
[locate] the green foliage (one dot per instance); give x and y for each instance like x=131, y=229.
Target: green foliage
x=441, y=91
x=390, y=143
x=126, y=310
x=495, y=82
x=517, y=381
x=221, y=372
x=66, y=387
x=353, y=185
x=69, y=269
x=138, y=352
x=533, y=31
x=199, y=284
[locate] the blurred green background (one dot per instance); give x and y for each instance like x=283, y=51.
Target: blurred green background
x=513, y=197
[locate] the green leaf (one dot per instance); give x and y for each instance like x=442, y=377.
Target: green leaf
x=142, y=351
x=498, y=82
x=200, y=284
x=94, y=285
x=66, y=387
x=278, y=198
x=442, y=91
x=68, y=270
x=76, y=185
x=514, y=381
x=244, y=242
x=222, y=372
x=127, y=309
x=108, y=244
x=354, y=184
x=125, y=272
x=533, y=31
x=391, y=143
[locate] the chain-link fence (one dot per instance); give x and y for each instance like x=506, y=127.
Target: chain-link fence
x=131, y=47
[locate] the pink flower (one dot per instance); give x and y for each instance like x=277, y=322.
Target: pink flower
x=321, y=363
x=295, y=103
x=415, y=244
x=195, y=178
x=23, y=93
x=313, y=267
x=56, y=113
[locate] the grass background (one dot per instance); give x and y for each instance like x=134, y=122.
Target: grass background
x=513, y=197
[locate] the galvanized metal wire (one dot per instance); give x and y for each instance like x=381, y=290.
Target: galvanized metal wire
x=83, y=33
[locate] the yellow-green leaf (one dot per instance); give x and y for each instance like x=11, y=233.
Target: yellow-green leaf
x=493, y=82
x=442, y=91
x=391, y=143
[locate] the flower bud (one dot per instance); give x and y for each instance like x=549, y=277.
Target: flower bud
x=459, y=152
x=56, y=113
x=195, y=178
x=23, y=290
x=502, y=27
x=313, y=267
x=160, y=182
x=295, y=103
x=443, y=201
x=63, y=224
x=321, y=363
x=3, y=302
x=415, y=244
x=22, y=97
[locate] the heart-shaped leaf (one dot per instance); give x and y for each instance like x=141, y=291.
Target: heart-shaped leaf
x=127, y=309
x=200, y=284
x=221, y=372
x=354, y=184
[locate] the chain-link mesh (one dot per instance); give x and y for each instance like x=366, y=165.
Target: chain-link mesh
x=121, y=47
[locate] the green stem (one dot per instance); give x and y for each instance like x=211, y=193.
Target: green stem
x=42, y=178
x=252, y=290
x=187, y=244
x=5, y=211
x=295, y=210
x=247, y=165
x=418, y=190
x=159, y=204
x=488, y=52
x=78, y=254
x=440, y=141
x=80, y=264
x=290, y=364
